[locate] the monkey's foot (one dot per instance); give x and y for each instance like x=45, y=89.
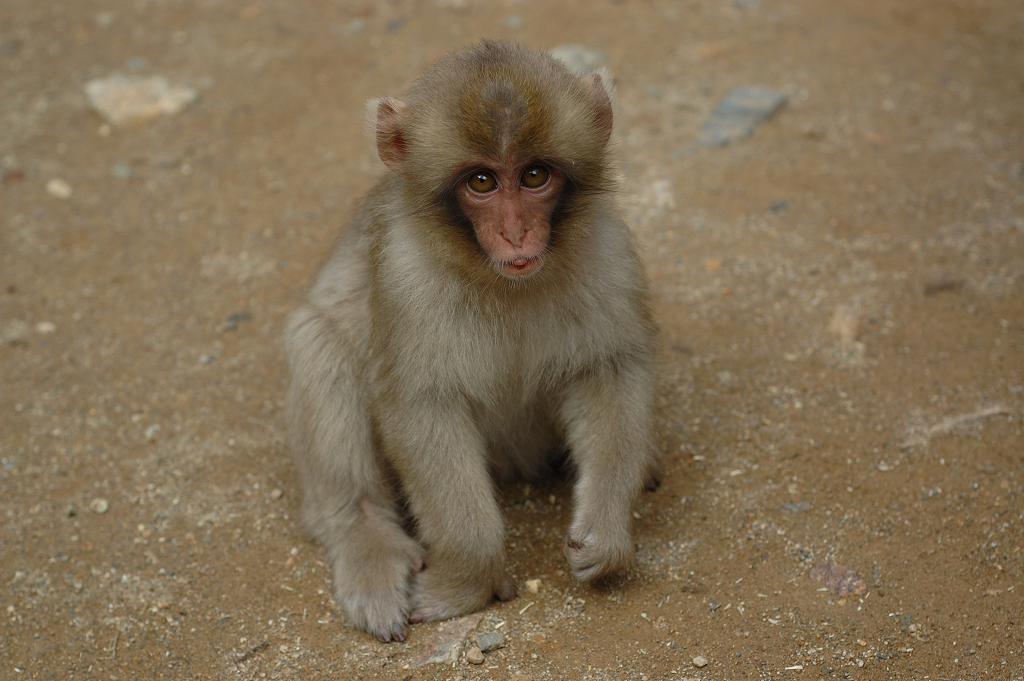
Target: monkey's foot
x=591, y=556
x=376, y=596
x=437, y=598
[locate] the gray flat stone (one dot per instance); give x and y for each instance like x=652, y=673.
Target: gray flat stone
x=580, y=58
x=445, y=645
x=738, y=113
x=489, y=641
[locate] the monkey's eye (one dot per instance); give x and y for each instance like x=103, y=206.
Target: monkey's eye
x=534, y=176
x=482, y=182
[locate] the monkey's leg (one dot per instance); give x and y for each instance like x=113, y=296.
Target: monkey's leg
x=440, y=457
x=348, y=504
x=608, y=426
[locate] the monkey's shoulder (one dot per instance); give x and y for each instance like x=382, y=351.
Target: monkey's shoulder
x=341, y=291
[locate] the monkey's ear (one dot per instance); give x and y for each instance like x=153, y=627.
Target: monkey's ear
x=391, y=140
x=600, y=85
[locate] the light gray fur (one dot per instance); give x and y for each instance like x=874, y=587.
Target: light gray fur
x=410, y=393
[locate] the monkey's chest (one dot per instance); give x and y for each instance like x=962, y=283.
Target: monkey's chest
x=506, y=364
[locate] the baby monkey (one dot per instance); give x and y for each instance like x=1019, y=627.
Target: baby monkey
x=484, y=314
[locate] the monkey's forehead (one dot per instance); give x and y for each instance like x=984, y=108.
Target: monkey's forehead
x=500, y=100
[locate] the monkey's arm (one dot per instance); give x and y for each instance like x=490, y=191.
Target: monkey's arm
x=607, y=413
x=347, y=503
x=438, y=452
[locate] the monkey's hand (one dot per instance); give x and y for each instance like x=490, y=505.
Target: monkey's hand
x=592, y=554
x=438, y=596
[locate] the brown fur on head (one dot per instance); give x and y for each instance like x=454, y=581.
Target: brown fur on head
x=498, y=99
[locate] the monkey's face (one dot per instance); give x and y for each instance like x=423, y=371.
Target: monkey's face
x=499, y=154
x=510, y=207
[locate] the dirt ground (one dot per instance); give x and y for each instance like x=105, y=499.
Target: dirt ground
x=840, y=297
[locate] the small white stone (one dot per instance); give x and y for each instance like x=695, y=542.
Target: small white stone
x=46, y=327
x=99, y=505
x=59, y=188
x=700, y=661
x=533, y=585
x=125, y=99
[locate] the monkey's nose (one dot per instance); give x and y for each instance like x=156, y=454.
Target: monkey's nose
x=514, y=236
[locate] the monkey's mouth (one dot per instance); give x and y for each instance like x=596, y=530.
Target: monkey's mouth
x=521, y=266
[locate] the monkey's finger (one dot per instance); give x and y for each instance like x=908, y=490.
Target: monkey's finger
x=506, y=591
x=653, y=481
x=397, y=633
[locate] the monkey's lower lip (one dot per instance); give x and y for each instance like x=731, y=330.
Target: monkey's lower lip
x=522, y=266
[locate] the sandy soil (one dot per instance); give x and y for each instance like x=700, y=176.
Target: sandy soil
x=840, y=295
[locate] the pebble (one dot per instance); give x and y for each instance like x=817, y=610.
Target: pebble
x=474, y=655
x=942, y=282
x=489, y=641
x=845, y=323
x=235, y=319
x=11, y=175
x=653, y=91
x=580, y=58
x=121, y=171
x=59, y=188
x=45, y=327
x=738, y=113
x=99, y=505
x=14, y=332
x=659, y=197
x=533, y=585
x=700, y=661
x=126, y=99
